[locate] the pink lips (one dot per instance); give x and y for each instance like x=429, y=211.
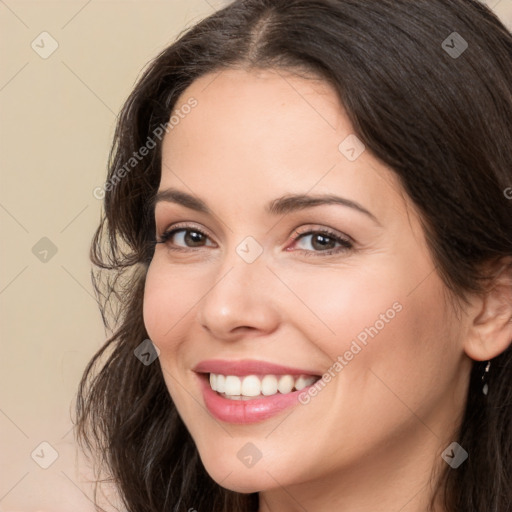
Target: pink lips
x=246, y=411
x=248, y=367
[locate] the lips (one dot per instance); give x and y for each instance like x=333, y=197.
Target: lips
x=249, y=367
x=235, y=404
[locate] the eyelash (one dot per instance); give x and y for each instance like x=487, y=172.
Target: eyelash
x=346, y=243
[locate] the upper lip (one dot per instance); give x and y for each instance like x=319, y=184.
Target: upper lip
x=247, y=367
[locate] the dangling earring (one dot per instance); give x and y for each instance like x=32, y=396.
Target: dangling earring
x=485, y=378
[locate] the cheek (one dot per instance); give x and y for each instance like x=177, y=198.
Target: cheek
x=166, y=302
x=167, y=299
x=378, y=323
x=338, y=304
x=405, y=363
x=154, y=303
x=394, y=352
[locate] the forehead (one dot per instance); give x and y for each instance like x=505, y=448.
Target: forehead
x=264, y=133
x=258, y=102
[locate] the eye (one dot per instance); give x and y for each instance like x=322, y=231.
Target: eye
x=184, y=238
x=323, y=241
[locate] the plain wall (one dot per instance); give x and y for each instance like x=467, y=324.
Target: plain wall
x=57, y=117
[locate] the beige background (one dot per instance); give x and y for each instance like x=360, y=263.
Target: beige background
x=57, y=118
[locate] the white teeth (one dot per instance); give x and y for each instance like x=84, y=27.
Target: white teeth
x=243, y=388
x=269, y=385
x=300, y=383
x=251, y=386
x=220, y=384
x=286, y=383
x=213, y=381
x=233, y=385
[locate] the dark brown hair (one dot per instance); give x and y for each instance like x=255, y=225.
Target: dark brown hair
x=441, y=121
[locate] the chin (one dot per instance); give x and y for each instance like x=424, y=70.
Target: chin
x=230, y=473
x=245, y=482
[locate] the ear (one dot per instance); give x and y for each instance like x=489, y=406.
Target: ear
x=490, y=331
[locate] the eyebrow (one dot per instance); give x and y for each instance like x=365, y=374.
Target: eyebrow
x=280, y=206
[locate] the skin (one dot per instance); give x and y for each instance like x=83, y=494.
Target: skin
x=370, y=439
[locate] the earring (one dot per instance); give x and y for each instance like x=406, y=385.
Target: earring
x=485, y=378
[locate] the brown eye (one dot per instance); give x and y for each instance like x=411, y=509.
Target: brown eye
x=184, y=238
x=323, y=242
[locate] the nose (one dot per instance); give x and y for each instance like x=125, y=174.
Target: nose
x=241, y=299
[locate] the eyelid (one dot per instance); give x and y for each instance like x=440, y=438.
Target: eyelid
x=186, y=226
x=297, y=232
x=321, y=229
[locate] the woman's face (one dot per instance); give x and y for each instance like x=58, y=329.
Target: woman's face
x=355, y=297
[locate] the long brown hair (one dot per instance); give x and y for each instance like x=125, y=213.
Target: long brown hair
x=441, y=120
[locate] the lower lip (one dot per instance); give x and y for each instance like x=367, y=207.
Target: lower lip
x=246, y=411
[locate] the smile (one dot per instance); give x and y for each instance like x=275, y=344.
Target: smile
x=250, y=387
x=250, y=391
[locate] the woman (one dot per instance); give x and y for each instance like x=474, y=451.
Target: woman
x=308, y=235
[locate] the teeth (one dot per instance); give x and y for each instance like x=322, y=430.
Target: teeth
x=221, y=383
x=286, y=383
x=213, y=381
x=269, y=385
x=243, y=388
x=233, y=385
x=251, y=386
x=300, y=383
